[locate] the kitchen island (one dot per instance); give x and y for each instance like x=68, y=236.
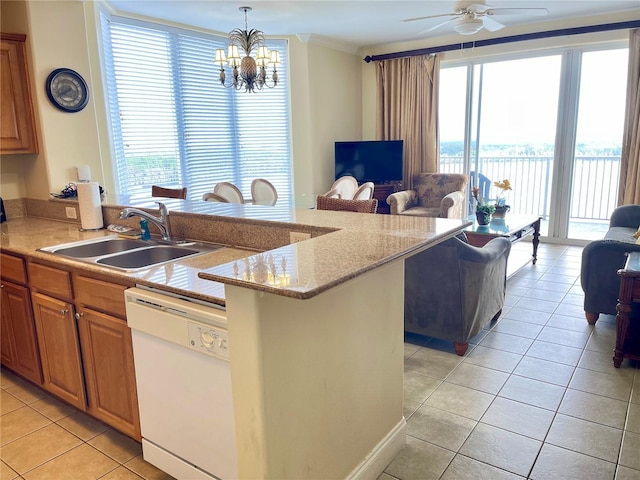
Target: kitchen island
x=315, y=328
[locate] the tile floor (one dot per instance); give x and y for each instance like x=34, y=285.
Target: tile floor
x=536, y=396
x=44, y=439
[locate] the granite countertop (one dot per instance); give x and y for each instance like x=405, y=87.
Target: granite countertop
x=344, y=245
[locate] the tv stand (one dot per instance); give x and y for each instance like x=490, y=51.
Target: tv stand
x=381, y=191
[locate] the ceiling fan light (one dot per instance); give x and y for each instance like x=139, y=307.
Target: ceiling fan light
x=467, y=26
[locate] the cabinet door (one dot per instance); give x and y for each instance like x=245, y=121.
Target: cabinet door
x=59, y=349
x=17, y=126
x=107, y=352
x=19, y=332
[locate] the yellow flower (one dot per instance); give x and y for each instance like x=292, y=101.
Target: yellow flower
x=503, y=185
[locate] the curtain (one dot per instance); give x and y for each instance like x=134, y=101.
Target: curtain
x=407, y=109
x=629, y=191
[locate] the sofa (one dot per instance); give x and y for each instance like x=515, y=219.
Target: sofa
x=433, y=195
x=601, y=260
x=453, y=290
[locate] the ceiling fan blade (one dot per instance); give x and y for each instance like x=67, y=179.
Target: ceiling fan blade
x=436, y=26
x=540, y=12
x=491, y=24
x=430, y=16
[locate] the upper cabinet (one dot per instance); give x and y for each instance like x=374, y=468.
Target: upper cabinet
x=17, y=124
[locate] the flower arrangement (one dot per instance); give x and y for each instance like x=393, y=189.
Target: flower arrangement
x=483, y=209
x=504, y=185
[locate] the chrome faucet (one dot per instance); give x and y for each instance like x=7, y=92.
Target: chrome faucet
x=162, y=222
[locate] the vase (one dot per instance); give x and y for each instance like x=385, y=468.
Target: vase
x=483, y=218
x=501, y=211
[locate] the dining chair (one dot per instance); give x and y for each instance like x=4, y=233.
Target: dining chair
x=334, y=193
x=214, y=197
x=346, y=205
x=157, y=191
x=229, y=191
x=263, y=192
x=364, y=191
x=346, y=186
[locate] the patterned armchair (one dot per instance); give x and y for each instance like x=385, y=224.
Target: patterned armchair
x=433, y=195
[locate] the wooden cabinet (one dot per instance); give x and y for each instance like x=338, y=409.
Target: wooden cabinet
x=18, y=341
x=18, y=346
x=107, y=354
x=17, y=124
x=81, y=348
x=59, y=349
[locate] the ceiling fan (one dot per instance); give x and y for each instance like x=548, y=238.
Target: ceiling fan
x=473, y=18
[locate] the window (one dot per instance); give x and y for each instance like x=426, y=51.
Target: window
x=174, y=125
x=550, y=123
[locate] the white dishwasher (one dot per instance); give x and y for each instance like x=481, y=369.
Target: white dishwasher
x=181, y=355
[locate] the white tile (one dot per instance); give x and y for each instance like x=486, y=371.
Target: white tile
x=545, y=371
x=533, y=392
x=506, y=342
x=594, y=408
x=519, y=418
x=492, y=358
x=554, y=352
x=614, y=385
x=477, y=377
x=585, y=437
x=506, y=450
x=460, y=400
x=561, y=464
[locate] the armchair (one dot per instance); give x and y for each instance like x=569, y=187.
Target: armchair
x=433, y=195
x=453, y=290
x=601, y=260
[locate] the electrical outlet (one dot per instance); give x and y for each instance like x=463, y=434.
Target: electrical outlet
x=295, y=237
x=71, y=212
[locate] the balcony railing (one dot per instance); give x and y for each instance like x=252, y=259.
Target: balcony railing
x=594, y=186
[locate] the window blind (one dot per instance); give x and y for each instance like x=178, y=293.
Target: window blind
x=174, y=125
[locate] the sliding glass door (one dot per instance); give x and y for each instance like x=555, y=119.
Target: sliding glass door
x=545, y=123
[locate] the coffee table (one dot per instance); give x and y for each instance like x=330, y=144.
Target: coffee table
x=514, y=227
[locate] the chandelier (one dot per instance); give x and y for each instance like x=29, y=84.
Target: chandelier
x=248, y=72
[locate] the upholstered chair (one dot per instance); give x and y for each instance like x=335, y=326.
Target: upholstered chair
x=229, y=191
x=601, y=260
x=453, y=290
x=344, y=186
x=433, y=195
x=263, y=192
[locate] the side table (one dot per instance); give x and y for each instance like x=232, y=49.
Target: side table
x=626, y=345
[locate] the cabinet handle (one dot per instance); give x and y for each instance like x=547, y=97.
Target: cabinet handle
x=64, y=311
x=79, y=315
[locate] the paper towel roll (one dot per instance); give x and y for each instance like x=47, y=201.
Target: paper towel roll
x=90, y=207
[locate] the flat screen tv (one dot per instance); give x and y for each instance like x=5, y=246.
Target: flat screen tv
x=370, y=161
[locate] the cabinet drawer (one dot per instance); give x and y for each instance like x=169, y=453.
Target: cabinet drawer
x=103, y=296
x=13, y=268
x=50, y=280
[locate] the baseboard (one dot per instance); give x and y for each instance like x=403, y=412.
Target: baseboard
x=383, y=453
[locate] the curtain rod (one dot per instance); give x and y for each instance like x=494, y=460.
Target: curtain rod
x=498, y=41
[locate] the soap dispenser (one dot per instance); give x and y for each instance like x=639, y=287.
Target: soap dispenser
x=144, y=228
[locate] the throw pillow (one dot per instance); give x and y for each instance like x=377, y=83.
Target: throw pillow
x=637, y=234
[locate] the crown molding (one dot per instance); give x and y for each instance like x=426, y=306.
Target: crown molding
x=328, y=42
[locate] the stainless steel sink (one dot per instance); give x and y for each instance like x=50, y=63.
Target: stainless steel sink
x=129, y=254
x=147, y=256
x=98, y=248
